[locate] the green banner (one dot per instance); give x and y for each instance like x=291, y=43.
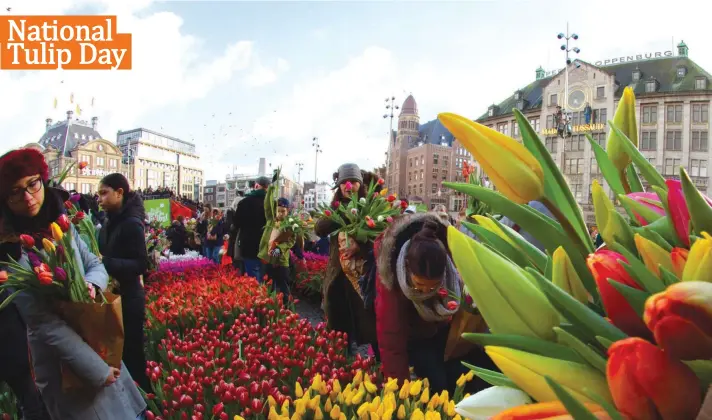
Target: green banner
x=158, y=210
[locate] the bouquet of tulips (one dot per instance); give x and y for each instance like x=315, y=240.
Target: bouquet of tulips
x=83, y=223
x=619, y=332
x=299, y=225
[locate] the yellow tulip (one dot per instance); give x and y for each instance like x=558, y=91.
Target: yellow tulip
x=565, y=276
x=298, y=391
x=272, y=414
x=433, y=403
x=335, y=413
x=296, y=416
x=327, y=406
x=48, y=246
x=490, y=225
x=425, y=396
x=314, y=402
x=363, y=409
x=626, y=122
x=417, y=415
x=318, y=415
x=300, y=407
x=699, y=261
x=238, y=418
x=373, y=416
x=451, y=409
x=457, y=417
x=653, y=255
x=358, y=397
x=506, y=296
x=370, y=387
x=445, y=397
x=387, y=414
x=271, y=401
x=358, y=378
x=384, y=192
x=432, y=415
x=391, y=385
x=528, y=370
x=510, y=166
x=415, y=388
x=401, y=412
x=57, y=233
x=285, y=408
x=405, y=390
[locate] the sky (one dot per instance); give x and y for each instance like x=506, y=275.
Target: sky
x=245, y=80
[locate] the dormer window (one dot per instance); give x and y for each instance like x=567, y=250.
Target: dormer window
x=681, y=71
x=651, y=85
x=637, y=75
x=517, y=95
x=701, y=83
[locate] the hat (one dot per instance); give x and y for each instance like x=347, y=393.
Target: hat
x=349, y=172
x=263, y=181
x=283, y=202
x=20, y=163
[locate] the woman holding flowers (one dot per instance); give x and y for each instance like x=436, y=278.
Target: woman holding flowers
x=342, y=304
x=29, y=206
x=419, y=293
x=122, y=244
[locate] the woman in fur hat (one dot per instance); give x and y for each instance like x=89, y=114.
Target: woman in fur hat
x=28, y=206
x=344, y=307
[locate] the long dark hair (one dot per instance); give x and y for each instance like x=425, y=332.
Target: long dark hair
x=116, y=181
x=427, y=255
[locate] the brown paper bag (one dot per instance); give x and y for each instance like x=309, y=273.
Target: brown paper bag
x=463, y=322
x=706, y=412
x=101, y=325
x=353, y=267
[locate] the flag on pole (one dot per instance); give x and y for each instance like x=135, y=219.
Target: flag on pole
x=79, y=110
x=55, y=102
x=92, y=101
x=71, y=98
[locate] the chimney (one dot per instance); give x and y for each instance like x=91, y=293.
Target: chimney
x=48, y=124
x=69, y=115
x=94, y=122
x=262, y=169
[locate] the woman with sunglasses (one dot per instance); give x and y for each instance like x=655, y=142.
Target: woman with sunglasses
x=413, y=318
x=28, y=205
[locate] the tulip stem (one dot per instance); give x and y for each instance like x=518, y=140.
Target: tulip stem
x=566, y=225
x=624, y=180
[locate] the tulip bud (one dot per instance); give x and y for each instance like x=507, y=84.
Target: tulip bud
x=510, y=166
x=48, y=246
x=647, y=383
x=699, y=261
x=57, y=233
x=605, y=265
x=490, y=225
x=679, y=211
x=653, y=255
x=349, y=186
x=565, y=277
x=327, y=213
x=505, y=295
x=27, y=241
x=3, y=277
x=60, y=274
x=391, y=198
x=680, y=318
x=529, y=371
x=651, y=201
x=626, y=122
x=63, y=222
x=82, y=165
x=547, y=410
x=679, y=258
x=491, y=401
x=611, y=225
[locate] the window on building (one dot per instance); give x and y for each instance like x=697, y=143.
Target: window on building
x=701, y=83
x=86, y=188
x=503, y=128
x=673, y=140
x=674, y=114
x=410, y=163
x=698, y=141
x=85, y=158
x=113, y=163
x=435, y=173
x=490, y=112
x=99, y=161
x=700, y=113
x=577, y=190
x=410, y=176
x=698, y=168
x=553, y=100
x=420, y=189
x=600, y=139
x=573, y=166
x=550, y=143
x=650, y=86
x=515, y=129
x=600, y=92
x=534, y=122
x=672, y=166
x=650, y=114
x=649, y=140
x=549, y=121
x=445, y=160
x=422, y=174
x=434, y=188
x=444, y=175
x=435, y=158
x=575, y=143
x=681, y=71
x=594, y=166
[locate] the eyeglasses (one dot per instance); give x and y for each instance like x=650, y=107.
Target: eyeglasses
x=32, y=188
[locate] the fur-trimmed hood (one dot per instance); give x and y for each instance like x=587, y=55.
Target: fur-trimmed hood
x=403, y=229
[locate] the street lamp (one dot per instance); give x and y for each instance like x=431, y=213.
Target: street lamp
x=317, y=150
x=300, y=166
x=566, y=48
x=391, y=109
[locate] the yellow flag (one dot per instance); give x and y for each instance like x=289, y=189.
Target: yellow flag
x=79, y=110
x=71, y=98
x=55, y=103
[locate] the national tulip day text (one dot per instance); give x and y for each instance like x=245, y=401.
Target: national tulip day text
x=36, y=45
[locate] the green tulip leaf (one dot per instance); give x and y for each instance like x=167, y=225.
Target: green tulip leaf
x=544, y=229
x=622, y=231
x=576, y=312
x=528, y=344
x=636, y=298
x=491, y=377
x=576, y=408
x=664, y=228
x=640, y=273
x=604, y=403
x=668, y=277
x=532, y=253
x=700, y=209
x=634, y=207
x=646, y=169
x=9, y=299
x=655, y=237
x=633, y=179
x=605, y=342
x=591, y=356
x=556, y=189
x=703, y=371
x=498, y=244
x=609, y=172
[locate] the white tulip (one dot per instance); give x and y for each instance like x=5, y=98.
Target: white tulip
x=362, y=200
x=490, y=402
x=379, y=218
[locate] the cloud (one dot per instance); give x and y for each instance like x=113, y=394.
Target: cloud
x=168, y=68
x=262, y=75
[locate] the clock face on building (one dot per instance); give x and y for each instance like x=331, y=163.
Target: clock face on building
x=577, y=99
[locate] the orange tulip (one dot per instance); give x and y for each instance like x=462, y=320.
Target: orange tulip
x=547, y=410
x=3, y=277
x=679, y=258
x=681, y=319
x=648, y=384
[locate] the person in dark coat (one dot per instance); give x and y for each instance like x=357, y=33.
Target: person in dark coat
x=345, y=309
x=178, y=236
x=214, y=238
x=250, y=221
x=123, y=247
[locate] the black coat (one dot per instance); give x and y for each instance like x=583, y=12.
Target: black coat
x=219, y=230
x=178, y=237
x=122, y=244
x=250, y=221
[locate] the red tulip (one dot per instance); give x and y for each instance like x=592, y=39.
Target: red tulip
x=327, y=213
x=391, y=198
x=381, y=181
x=27, y=241
x=646, y=383
x=63, y=222
x=79, y=216
x=649, y=200
x=3, y=277
x=605, y=265
x=443, y=293
x=370, y=223
x=68, y=205
x=452, y=305
x=681, y=319
x=679, y=258
x=679, y=213
x=83, y=165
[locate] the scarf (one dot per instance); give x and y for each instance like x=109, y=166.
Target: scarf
x=430, y=306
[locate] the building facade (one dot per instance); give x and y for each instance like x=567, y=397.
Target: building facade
x=155, y=160
x=318, y=194
x=673, y=97
x=74, y=141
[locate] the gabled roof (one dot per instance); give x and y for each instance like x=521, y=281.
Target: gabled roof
x=664, y=70
x=431, y=131
x=65, y=136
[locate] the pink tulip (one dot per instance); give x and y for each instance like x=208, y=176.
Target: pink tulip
x=679, y=213
x=649, y=200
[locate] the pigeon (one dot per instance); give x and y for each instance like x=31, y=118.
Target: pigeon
x=9, y=9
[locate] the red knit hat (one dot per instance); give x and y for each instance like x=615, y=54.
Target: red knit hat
x=19, y=164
